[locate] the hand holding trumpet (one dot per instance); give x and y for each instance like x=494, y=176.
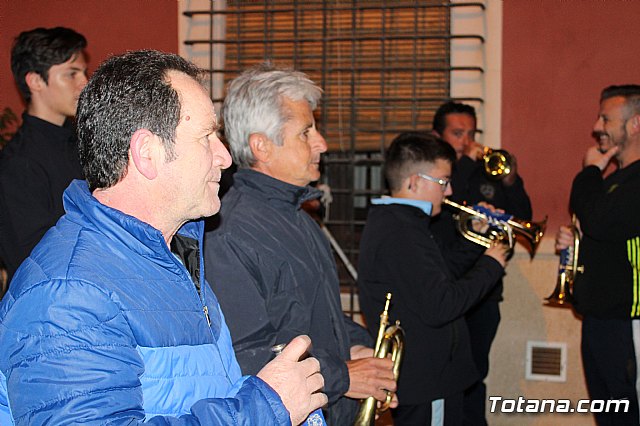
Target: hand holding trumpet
x=499, y=250
x=498, y=163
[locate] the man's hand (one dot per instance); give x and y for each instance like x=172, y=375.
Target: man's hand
x=480, y=225
x=593, y=156
x=564, y=238
x=361, y=351
x=369, y=376
x=510, y=179
x=297, y=382
x=499, y=252
x=473, y=150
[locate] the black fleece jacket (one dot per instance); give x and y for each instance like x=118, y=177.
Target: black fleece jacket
x=608, y=210
x=398, y=254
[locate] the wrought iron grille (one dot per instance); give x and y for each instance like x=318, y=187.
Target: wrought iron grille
x=383, y=65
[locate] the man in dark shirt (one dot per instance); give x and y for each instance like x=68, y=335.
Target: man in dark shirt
x=606, y=291
x=269, y=254
x=41, y=159
x=456, y=124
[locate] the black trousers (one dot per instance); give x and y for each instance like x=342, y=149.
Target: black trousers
x=482, y=322
x=609, y=362
x=420, y=415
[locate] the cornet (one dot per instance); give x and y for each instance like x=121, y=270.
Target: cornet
x=389, y=337
x=567, y=270
x=497, y=163
x=503, y=227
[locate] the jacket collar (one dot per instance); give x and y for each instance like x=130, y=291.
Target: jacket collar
x=425, y=206
x=139, y=236
x=271, y=189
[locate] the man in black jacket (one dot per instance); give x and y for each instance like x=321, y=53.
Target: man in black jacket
x=398, y=254
x=41, y=159
x=456, y=124
x=269, y=255
x=607, y=293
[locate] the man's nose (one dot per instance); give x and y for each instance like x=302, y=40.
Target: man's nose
x=597, y=126
x=221, y=155
x=321, y=143
x=448, y=191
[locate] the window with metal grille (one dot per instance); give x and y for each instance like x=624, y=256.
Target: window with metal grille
x=384, y=66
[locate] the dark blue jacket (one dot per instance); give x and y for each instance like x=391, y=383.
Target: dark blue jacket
x=273, y=270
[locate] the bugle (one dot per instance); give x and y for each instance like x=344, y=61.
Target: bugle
x=503, y=227
x=497, y=163
x=568, y=268
x=390, y=338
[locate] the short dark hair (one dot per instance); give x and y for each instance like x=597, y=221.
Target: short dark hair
x=630, y=92
x=408, y=150
x=451, y=107
x=126, y=93
x=39, y=49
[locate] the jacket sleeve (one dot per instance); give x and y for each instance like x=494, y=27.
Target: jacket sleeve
x=408, y=262
x=358, y=335
x=468, y=177
x=461, y=255
x=606, y=214
x=262, y=302
x=518, y=202
x=70, y=360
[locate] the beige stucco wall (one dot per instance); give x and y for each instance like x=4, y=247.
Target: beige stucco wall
x=525, y=318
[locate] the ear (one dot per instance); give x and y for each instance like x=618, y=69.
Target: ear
x=145, y=152
x=261, y=147
x=635, y=123
x=34, y=81
x=411, y=183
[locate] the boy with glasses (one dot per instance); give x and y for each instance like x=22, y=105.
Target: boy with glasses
x=398, y=254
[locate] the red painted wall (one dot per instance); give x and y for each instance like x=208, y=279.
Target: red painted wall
x=557, y=57
x=112, y=26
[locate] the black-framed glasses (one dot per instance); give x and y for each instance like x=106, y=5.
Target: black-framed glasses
x=442, y=182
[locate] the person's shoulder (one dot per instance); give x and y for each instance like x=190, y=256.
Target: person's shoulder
x=23, y=152
x=239, y=208
x=395, y=221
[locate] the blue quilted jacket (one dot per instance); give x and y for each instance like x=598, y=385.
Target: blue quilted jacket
x=102, y=324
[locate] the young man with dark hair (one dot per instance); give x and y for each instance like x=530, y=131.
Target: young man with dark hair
x=398, y=254
x=40, y=161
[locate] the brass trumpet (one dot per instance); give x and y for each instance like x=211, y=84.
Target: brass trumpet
x=389, y=337
x=497, y=163
x=503, y=227
x=568, y=268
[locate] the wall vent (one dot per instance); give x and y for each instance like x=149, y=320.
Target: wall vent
x=546, y=361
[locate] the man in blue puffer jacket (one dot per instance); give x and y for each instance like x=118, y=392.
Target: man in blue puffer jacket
x=110, y=320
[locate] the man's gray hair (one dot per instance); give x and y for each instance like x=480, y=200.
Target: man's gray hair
x=254, y=104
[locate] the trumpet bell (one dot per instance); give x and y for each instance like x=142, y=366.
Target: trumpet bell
x=562, y=294
x=568, y=269
x=497, y=163
x=390, y=340
x=529, y=233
